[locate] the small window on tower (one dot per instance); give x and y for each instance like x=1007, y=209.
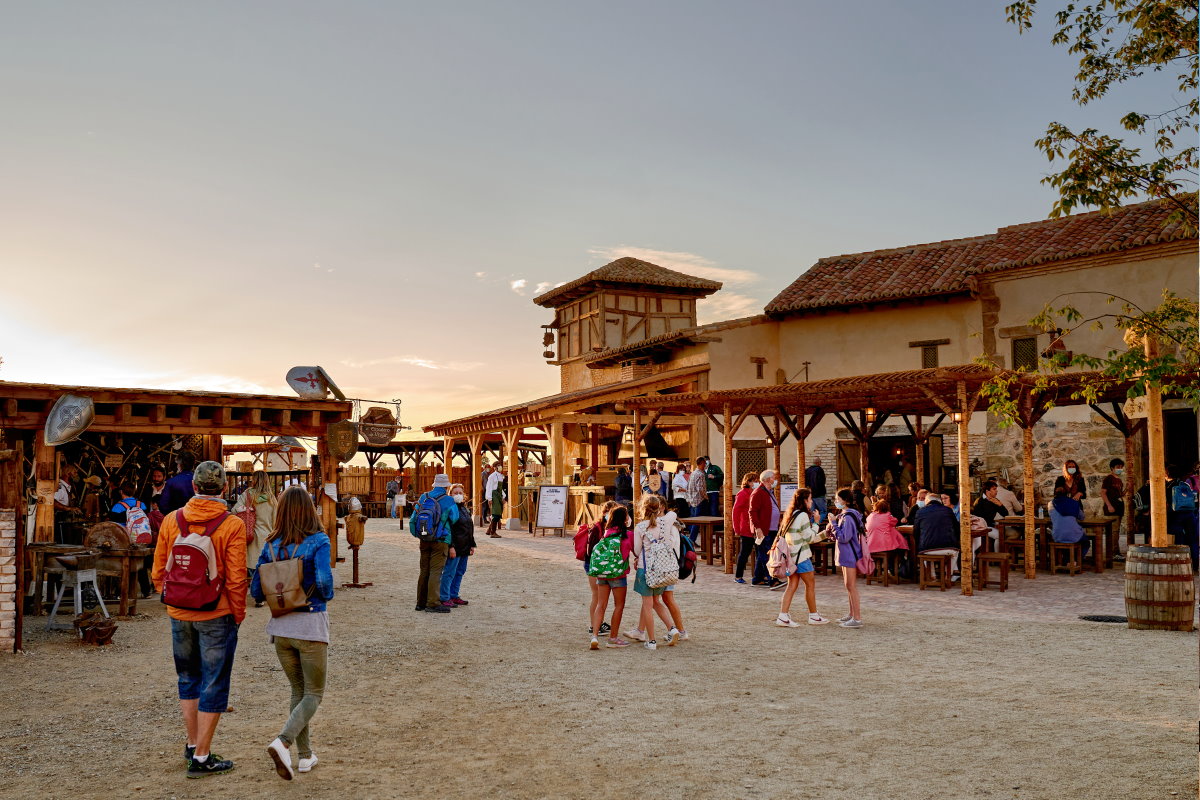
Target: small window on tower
x=1025, y=353
x=929, y=357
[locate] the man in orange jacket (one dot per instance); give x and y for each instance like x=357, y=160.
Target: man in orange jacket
x=204, y=642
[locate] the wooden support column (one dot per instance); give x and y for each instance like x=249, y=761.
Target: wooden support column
x=1157, y=455
x=864, y=456
x=45, y=472
x=594, y=447
x=637, y=459
x=919, y=441
x=966, y=555
x=558, y=471
x=512, y=440
x=1131, y=478
x=328, y=507
x=1030, y=525
x=475, y=442
x=448, y=456
x=727, y=491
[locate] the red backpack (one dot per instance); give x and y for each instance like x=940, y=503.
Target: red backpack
x=192, y=580
x=586, y=538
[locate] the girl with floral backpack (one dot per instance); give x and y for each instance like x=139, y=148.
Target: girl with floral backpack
x=797, y=533
x=608, y=564
x=591, y=535
x=651, y=536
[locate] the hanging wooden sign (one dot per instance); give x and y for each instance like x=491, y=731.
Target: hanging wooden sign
x=377, y=425
x=342, y=440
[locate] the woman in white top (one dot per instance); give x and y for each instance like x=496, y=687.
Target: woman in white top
x=258, y=495
x=654, y=525
x=800, y=531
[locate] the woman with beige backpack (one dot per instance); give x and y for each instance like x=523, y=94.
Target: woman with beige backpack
x=294, y=579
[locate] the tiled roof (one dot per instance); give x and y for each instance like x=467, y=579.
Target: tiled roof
x=947, y=268
x=630, y=271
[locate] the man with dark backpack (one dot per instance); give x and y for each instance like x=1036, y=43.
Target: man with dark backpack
x=433, y=516
x=200, y=568
x=1182, y=520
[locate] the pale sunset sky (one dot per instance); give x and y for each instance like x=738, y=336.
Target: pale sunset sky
x=202, y=195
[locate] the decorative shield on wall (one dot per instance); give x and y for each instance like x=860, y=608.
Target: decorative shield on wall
x=378, y=425
x=70, y=416
x=342, y=439
x=308, y=382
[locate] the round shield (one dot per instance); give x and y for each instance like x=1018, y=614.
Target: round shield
x=308, y=382
x=342, y=439
x=70, y=416
x=377, y=425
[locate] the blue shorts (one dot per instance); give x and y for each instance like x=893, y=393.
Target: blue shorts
x=204, y=660
x=613, y=583
x=639, y=585
x=805, y=566
x=587, y=563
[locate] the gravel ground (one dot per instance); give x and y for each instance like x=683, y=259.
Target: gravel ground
x=503, y=699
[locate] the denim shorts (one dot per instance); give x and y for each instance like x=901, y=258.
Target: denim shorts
x=805, y=566
x=613, y=583
x=204, y=660
x=639, y=585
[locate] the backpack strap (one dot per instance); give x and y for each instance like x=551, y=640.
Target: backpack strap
x=210, y=527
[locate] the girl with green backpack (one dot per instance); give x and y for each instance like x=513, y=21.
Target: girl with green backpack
x=608, y=564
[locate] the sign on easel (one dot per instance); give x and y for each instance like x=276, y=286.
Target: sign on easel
x=551, y=511
x=786, y=491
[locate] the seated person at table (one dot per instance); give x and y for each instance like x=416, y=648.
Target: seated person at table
x=1007, y=498
x=918, y=502
x=1065, y=515
x=936, y=528
x=987, y=508
x=881, y=530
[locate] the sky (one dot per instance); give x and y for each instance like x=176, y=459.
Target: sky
x=203, y=195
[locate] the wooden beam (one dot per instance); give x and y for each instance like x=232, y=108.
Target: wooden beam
x=1118, y=423
x=1156, y=453
x=946, y=408
x=1030, y=502
x=880, y=418
x=224, y=415
x=158, y=413
x=45, y=473
x=738, y=422
x=966, y=556
x=512, y=439
x=475, y=442
x=640, y=433
x=727, y=488
x=327, y=506
x=783, y=416
x=285, y=417
x=254, y=416
x=813, y=421
x=716, y=422
x=637, y=459
x=10, y=407
x=851, y=426
x=190, y=415
x=801, y=455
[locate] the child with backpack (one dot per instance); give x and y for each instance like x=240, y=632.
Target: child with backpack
x=131, y=513
x=608, y=565
x=800, y=531
x=656, y=559
x=586, y=538
x=849, y=530
x=687, y=568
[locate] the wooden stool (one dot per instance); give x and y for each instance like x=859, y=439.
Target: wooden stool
x=822, y=555
x=929, y=562
x=987, y=560
x=1074, y=562
x=884, y=563
x=1015, y=550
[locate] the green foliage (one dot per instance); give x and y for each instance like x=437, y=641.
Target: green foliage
x=1013, y=394
x=1118, y=41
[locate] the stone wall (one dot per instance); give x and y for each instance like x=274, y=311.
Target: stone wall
x=1091, y=444
x=8, y=580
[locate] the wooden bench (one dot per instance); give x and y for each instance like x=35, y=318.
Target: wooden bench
x=1074, y=561
x=885, y=565
x=929, y=563
x=987, y=560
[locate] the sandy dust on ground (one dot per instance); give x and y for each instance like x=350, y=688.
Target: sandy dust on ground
x=504, y=700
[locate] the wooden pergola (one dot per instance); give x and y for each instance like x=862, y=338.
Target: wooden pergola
x=864, y=402
x=415, y=451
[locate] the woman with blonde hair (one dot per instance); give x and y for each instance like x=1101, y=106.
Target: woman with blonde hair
x=301, y=637
x=596, y=532
x=259, y=497
x=654, y=525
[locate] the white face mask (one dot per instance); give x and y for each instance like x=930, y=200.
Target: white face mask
x=1071, y=470
x=920, y=504
x=840, y=503
x=755, y=485
x=458, y=498
x=1119, y=471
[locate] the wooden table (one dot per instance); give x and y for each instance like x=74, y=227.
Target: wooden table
x=1104, y=544
x=120, y=564
x=707, y=526
x=908, y=533
x=1041, y=532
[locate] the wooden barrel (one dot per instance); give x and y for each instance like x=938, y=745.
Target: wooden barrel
x=1159, y=592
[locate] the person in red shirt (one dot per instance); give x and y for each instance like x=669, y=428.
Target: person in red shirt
x=741, y=523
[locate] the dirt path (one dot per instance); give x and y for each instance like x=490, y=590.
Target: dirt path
x=502, y=699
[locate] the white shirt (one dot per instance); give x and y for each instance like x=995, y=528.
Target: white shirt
x=665, y=528
x=494, y=480
x=1006, y=498
x=679, y=483
x=63, y=494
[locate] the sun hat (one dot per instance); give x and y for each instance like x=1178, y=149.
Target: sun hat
x=441, y=481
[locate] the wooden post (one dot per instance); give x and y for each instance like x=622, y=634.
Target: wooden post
x=45, y=471
x=512, y=440
x=637, y=458
x=727, y=492
x=966, y=555
x=919, y=438
x=1130, y=481
x=475, y=441
x=448, y=456
x=1157, y=455
x=1030, y=525
x=777, y=444
x=328, y=507
x=864, y=460
x=594, y=447
x=801, y=456
x=557, y=468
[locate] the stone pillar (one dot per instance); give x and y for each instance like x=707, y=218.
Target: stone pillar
x=9, y=580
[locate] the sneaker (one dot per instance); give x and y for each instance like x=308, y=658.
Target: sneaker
x=617, y=642
x=651, y=645
x=449, y=606
x=437, y=609
x=282, y=756
x=213, y=765
x=595, y=644
x=672, y=637
x=419, y=608
x=458, y=601
x=306, y=764
x=605, y=628
x=786, y=622
x=775, y=583
x=189, y=750
x=683, y=636
x=817, y=619
x=852, y=623
x=739, y=580
x=846, y=618
x=636, y=635
x=775, y=587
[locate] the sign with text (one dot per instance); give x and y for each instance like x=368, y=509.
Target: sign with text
x=551, y=507
x=786, y=490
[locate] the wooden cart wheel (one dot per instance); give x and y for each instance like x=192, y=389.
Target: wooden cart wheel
x=108, y=535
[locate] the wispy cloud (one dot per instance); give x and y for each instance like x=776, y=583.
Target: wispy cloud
x=415, y=361
x=481, y=275
x=519, y=285
x=727, y=305
x=687, y=263
x=544, y=286
x=202, y=382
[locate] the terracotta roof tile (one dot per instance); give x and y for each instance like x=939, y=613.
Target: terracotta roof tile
x=631, y=271
x=947, y=268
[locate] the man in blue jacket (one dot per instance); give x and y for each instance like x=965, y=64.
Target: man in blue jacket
x=178, y=490
x=936, y=529
x=434, y=554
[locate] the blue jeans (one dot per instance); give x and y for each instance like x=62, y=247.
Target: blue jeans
x=452, y=575
x=762, y=552
x=697, y=511
x=204, y=660
x=714, y=503
x=822, y=508
x=392, y=507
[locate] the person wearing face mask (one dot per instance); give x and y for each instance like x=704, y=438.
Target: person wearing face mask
x=741, y=524
x=919, y=499
x=1112, y=492
x=845, y=526
x=764, y=522
x=462, y=547
x=1072, y=481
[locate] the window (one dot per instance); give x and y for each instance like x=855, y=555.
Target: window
x=929, y=356
x=1025, y=353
